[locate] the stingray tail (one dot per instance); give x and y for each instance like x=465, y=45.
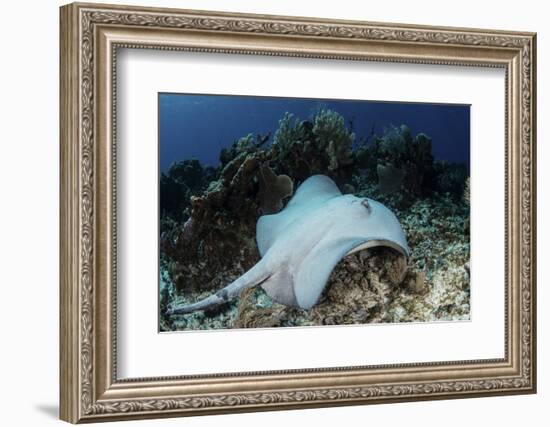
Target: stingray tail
x=255, y=276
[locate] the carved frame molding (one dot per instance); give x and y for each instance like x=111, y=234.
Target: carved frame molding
x=90, y=36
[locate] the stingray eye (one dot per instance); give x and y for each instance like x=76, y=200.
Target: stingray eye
x=366, y=204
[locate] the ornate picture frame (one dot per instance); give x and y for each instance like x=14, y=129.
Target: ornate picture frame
x=91, y=35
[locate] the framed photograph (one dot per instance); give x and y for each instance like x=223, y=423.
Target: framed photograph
x=267, y=212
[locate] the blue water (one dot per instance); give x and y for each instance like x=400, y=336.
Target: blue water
x=199, y=126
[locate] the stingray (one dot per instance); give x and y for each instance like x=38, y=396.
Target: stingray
x=301, y=245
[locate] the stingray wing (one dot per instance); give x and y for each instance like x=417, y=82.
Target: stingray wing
x=311, y=194
x=311, y=276
x=301, y=282
x=313, y=272
x=315, y=244
x=303, y=243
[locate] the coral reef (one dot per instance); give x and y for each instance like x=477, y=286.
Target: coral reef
x=402, y=164
x=322, y=145
x=390, y=178
x=466, y=194
x=219, y=223
x=374, y=285
x=332, y=136
x=273, y=189
x=209, y=215
x=451, y=178
x=183, y=180
x=301, y=245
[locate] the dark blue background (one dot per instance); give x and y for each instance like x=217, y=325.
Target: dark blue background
x=199, y=126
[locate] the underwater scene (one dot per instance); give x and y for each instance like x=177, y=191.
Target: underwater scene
x=279, y=212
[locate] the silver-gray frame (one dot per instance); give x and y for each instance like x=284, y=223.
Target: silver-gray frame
x=90, y=37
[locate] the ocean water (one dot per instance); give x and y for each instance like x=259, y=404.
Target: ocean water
x=199, y=126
